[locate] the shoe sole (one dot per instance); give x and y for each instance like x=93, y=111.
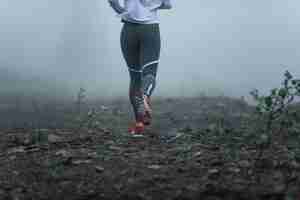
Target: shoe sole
x=136, y=131
x=137, y=135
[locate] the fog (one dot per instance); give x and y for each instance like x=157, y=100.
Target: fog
x=217, y=47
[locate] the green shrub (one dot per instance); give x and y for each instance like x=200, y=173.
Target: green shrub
x=274, y=110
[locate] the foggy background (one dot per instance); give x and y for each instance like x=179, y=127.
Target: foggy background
x=220, y=47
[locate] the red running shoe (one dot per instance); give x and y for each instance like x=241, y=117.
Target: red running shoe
x=137, y=129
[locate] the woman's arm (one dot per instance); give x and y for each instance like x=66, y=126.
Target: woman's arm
x=166, y=4
x=115, y=4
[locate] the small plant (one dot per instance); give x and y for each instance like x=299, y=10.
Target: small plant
x=80, y=99
x=56, y=167
x=274, y=105
x=90, y=120
x=273, y=108
x=37, y=135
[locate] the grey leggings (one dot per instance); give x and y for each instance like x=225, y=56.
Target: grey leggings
x=140, y=45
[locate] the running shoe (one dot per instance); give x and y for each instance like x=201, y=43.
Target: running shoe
x=137, y=129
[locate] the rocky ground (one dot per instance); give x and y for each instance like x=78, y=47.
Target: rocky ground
x=197, y=148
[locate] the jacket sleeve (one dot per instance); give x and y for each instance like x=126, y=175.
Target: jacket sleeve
x=166, y=4
x=115, y=4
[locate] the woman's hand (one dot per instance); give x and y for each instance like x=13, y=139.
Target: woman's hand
x=166, y=4
x=116, y=6
x=111, y=2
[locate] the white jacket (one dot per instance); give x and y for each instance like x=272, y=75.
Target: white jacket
x=140, y=11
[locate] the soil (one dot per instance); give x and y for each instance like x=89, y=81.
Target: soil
x=184, y=155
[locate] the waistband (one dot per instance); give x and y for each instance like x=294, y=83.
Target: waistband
x=137, y=23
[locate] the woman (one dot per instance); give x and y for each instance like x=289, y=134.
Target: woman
x=140, y=44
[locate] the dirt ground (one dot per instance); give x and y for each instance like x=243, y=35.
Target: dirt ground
x=195, y=149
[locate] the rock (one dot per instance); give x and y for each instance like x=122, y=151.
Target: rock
x=279, y=188
x=63, y=153
x=234, y=169
x=54, y=138
x=78, y=162
x=193, y=188
x=181, y=169
x=244, y=163
x=216, y=162
x=197, y=154
x=12, y=157
x=115, y=148
x=99, y=169
x=33, y=149
x=154, y=166
x=250, y=172
x=27, y=141
x=213, y=171
x=2, y=193
x=295, y=165
x=92, y=155
x=277, y=175
x=239, y=184
x=20, y=149
x=15, y=172
x=17, y=193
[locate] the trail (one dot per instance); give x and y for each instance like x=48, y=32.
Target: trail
x=106, y=163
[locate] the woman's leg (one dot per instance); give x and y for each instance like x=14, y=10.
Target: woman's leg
x=149, y=56
x=131, y=51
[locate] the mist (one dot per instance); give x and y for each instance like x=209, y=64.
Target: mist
x=208, y=46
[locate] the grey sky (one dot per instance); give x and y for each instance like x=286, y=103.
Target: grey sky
x=231, y=46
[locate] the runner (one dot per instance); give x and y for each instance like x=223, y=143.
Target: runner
x=140, y=44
